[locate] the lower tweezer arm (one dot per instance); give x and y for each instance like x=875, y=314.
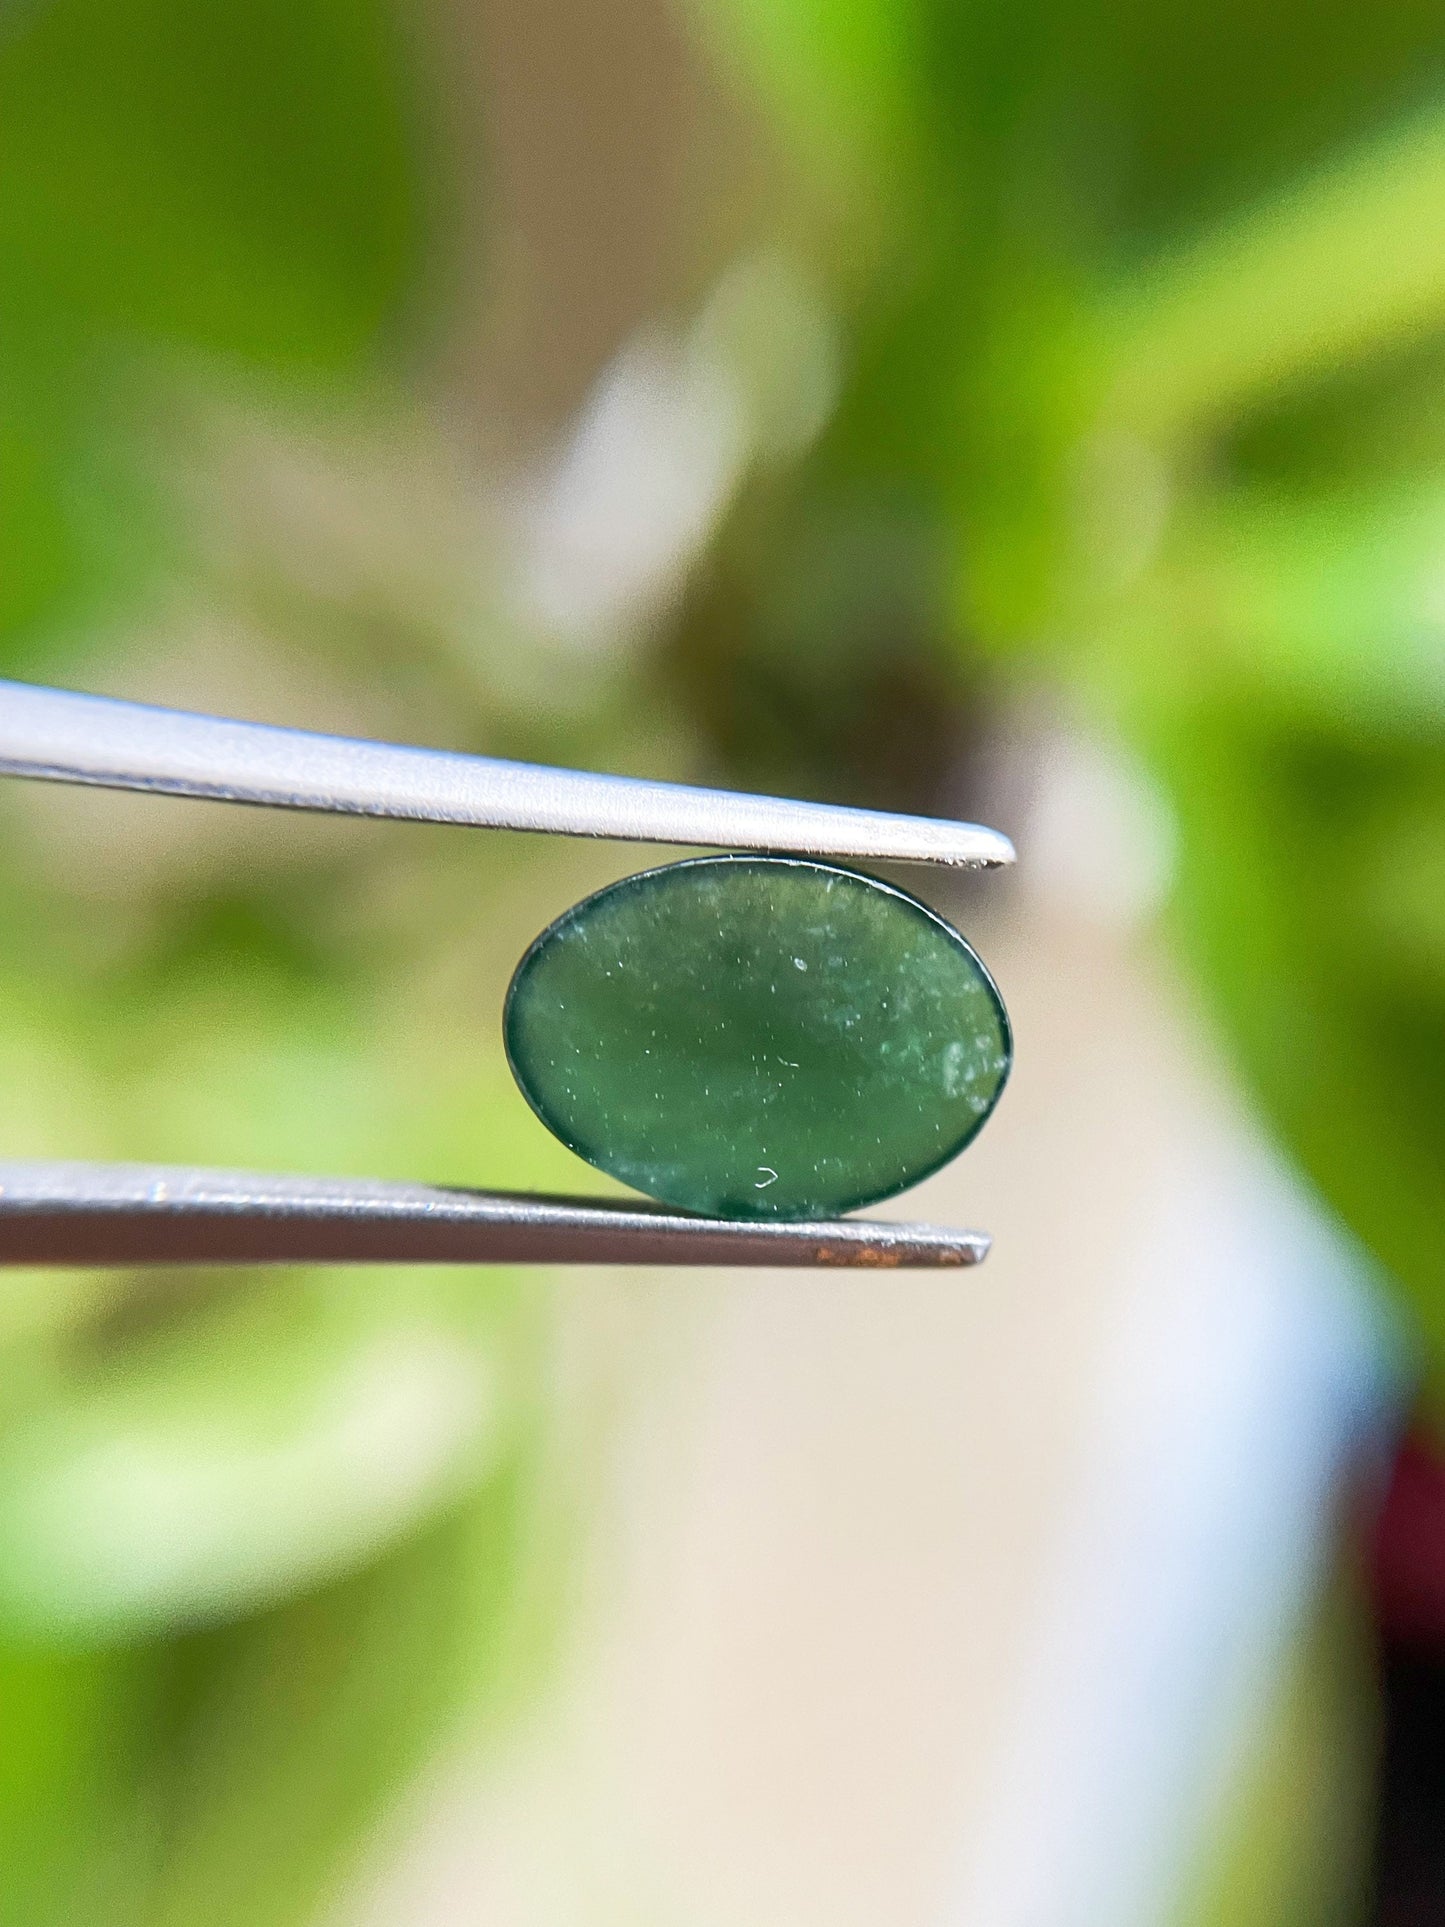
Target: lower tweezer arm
x=141, y=1214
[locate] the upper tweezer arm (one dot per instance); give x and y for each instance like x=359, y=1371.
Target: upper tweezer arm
x=65, y=737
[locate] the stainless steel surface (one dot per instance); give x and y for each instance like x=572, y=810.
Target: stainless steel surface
x=150, y=1214
x=69, y=738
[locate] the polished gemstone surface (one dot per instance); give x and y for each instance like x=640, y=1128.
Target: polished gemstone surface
x=758, y=1036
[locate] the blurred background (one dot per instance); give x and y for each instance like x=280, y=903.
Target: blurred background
x=1034, y=412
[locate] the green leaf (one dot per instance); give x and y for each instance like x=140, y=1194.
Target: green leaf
x=1288, y=837
x=260, y=1442
x=182, y=187
x=1340, y=266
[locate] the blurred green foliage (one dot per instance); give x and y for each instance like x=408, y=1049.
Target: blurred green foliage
x=1148, y=381
x=1143, y=404
x=261, y=1536
x=241, y=185
x=1149, y=311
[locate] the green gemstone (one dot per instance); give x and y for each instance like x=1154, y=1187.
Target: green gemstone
x=757, y=1036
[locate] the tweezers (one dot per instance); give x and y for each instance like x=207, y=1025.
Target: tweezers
x=112, y=1214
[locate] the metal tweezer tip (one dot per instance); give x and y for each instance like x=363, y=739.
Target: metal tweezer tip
x=66, y=737
x=150, y=1214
